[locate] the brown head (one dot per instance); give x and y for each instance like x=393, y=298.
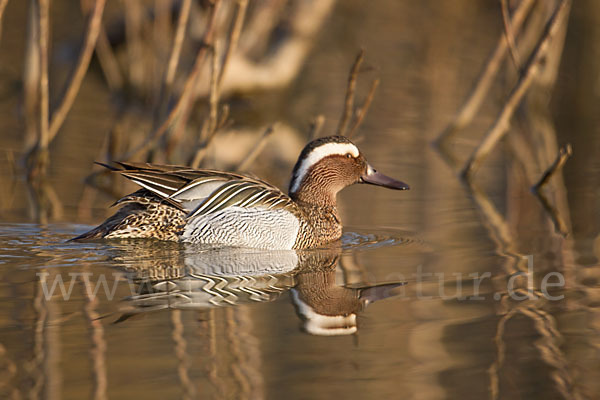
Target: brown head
x=327, y=165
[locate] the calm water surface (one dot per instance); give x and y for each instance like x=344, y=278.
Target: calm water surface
x=446, y=291
x=384, y=313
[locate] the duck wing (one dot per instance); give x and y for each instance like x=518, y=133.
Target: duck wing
x=201, y=192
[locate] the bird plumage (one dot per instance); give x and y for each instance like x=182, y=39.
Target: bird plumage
x=225, y=208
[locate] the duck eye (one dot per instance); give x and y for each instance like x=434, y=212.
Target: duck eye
x=348, y=155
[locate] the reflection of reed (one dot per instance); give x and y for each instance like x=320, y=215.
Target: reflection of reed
x=500, y=234
x=352, y=269
x=34, y=367
x=236, y=350
x=183, y=366
x=213, y=362
x=44, y=203
x=9, y=371
x=547, y=345
x=543, y=322
x=98, y=349
x=532, y=152
x=252, y=365
x=46, y=347
x=221, y=283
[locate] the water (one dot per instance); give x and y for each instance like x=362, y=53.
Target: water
x=446, y=291
x=369, y=318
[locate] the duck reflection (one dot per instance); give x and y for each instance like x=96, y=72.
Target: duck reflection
x=213, y=278
x=328, y=309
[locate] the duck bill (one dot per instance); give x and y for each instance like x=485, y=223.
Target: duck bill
x=373, y=177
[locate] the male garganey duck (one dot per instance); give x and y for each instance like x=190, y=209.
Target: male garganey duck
x=223, y=208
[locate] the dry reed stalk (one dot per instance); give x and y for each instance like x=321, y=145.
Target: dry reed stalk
x=93, y=29
x=204, y=145
x=106, y=57
x=186, y=94
x=201, y=152
x=315, y=126
x=234, y=36
x=133, y=10
x=509, y=34
x=108, y=62
x=256, y=150
x=166, y=85
x=224, y=122
x=351, y=88
x=473, y=103
x=560, y=226
x=3, y=4
x=37, y=154
x=531, y=68
x=31, y=78
x=182, y=20
x=264, y=18
x=44, y=22
x=90, y=189
x=37, y=97
x=161, y=44
x=564, y=153
x=362, y=111
x=215, y=73
x=10, y=163
x=210, y=127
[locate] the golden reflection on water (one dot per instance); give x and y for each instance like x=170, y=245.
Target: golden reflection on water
x=457, y=329
x=168, y=320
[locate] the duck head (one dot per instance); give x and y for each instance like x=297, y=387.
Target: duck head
x=327, y=165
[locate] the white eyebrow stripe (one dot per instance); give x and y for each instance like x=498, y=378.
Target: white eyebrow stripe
x=317, y=155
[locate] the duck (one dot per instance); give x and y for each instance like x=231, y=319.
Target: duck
x=328, y=309
x=164, y=277
x=228, y=209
